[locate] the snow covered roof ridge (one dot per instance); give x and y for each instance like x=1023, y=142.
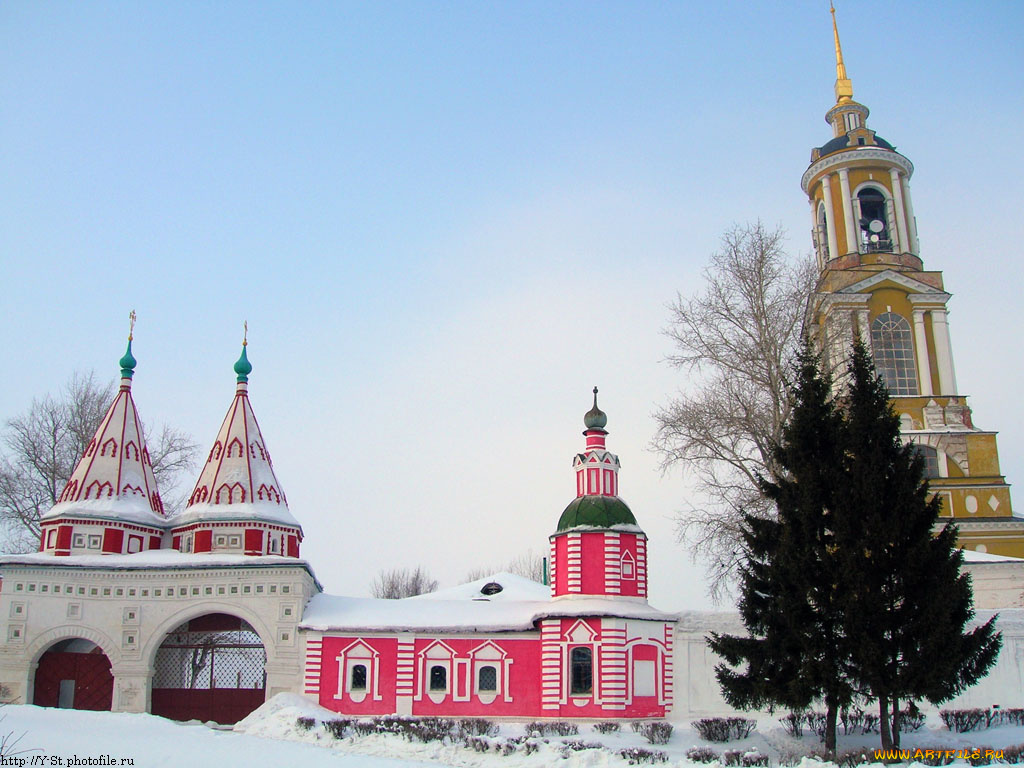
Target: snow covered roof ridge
x=238, y=481
x=114, y=479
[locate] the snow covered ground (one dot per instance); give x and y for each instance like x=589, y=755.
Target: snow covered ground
x=270, y=737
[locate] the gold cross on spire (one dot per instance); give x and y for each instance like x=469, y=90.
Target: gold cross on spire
x=245, y=333
x=131, y=324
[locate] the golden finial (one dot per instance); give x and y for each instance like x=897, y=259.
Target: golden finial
x=245, y=333
x=844, y=88
x=131, y=324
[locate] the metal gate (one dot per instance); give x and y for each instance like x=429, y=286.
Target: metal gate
x=74, y=674
x=210, y=668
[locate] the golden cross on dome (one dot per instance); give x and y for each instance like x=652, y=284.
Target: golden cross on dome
x=245, y=334
x=131, y=324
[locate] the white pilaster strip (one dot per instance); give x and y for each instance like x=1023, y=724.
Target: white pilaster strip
x=830, y=216
x=924, y=369
x=943, y=352
x=851, y=232
x=314, y=660
x=915, y=245
x=550, y=664
x=901, y=214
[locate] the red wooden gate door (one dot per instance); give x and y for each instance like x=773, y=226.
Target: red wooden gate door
x=74, y=674
x=210, y=668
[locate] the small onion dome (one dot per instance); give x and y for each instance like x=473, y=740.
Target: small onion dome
x=596, y=512
x=243, y=367
x=595, y=418
x=127, y=362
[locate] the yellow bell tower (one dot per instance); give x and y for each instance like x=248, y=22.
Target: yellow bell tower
x=872, y=284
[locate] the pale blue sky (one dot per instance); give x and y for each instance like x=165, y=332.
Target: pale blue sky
x=445, y=222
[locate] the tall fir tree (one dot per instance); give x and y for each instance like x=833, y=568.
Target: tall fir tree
x=906, y=601
x=790, y=579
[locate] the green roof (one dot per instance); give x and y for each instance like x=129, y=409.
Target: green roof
x=597, y=512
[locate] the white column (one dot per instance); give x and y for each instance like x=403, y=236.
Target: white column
x=915, y=245
x=830, y=216
x=943, y=352
x=819, y=247
x=851, y=232
x=924, y=370
x=901, y=214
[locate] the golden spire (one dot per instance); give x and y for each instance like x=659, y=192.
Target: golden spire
x=844, y=88
x=245, y=333
x=131, y=324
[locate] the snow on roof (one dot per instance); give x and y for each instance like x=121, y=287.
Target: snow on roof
x=261, y=511
x=125, y=509
x=973, y=556
x=466, y=609
x=154, y=558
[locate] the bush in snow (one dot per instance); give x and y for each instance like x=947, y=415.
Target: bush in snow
x=305, y=723
x=701, y=755
x=575, y=745
x=1014, y=755
x=552, y=728
x=856, y=720
x=1011, y=717
x=723, y=729
x=476, y=726
x=794, y=724
x=655, y=731
x=607, y=727
x=738, y=757
x=336, y=728
x=964, y=720
x=427, y=729
x=638, y=755
x=476, y=743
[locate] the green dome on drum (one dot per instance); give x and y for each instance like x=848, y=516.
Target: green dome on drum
x=596, y=512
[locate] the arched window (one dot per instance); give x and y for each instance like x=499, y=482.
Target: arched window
x=931, y=460
x=438, y=678
x=892, y=346
x=358, y=681
x=874, y=221
x=487, y=680
x=582, y=673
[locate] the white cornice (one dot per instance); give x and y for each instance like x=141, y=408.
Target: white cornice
x=874, y=154
x=900, y=278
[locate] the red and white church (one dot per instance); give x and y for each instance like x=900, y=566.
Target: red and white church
x=207, y=612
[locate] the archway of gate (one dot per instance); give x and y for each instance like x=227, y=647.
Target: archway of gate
x=212, y=667
x=74, y=673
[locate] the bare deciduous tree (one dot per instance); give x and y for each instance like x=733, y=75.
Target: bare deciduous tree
x=528, y=565
x=44, y=444
x=396, y=583
x=736, y=339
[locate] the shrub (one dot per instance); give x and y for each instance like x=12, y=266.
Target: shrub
x=337, y=728
x=701, y=755
x=964, y=720
x=655, y=731
x=911, y=721
x=753, y=758
x=732, y=756
x=552, y=728
x=428, y=729
x=305, y=723
x=607, y=727
x=476, y=743
x=1014, y=755
x=1011, y=717
x=576, y=745
x=723, y=729
x=638, y=755
x=794, y=724
x=476, y=726
x=981, y=756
